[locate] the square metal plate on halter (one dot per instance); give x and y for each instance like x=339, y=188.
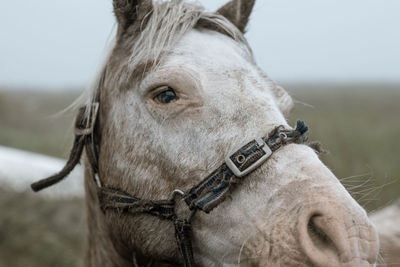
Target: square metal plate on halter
x=248, y=157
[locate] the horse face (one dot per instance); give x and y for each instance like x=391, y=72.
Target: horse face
x=176, y=124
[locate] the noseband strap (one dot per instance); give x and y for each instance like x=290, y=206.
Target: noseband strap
x=205, y=196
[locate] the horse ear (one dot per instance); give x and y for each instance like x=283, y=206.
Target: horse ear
x=238, y=12
x=128, y=12
x=283, y=99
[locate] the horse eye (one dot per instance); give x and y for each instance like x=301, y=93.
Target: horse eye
x=166, y=97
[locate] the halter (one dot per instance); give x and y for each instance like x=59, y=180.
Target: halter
x=182, y=206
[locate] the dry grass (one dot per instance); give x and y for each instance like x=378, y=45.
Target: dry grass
x=35, y=232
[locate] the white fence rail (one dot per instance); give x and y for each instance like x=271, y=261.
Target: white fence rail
x=18, y=169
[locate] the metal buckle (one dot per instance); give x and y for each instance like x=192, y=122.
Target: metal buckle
x=85, y=126
x=248, y=157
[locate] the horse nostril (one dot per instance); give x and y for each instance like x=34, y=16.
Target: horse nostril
x=317, y=235
x=334, y=237
x=320, y=239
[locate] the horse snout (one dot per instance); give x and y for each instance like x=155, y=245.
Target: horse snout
x=330, y=236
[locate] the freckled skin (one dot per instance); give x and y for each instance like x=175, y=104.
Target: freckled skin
x=149, y=150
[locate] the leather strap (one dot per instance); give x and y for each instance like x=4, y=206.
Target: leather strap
x=83, y=133
x=213, y=189
x=183, y=235
x=122, y=202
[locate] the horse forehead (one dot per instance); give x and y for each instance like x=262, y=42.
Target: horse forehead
x=210, y=50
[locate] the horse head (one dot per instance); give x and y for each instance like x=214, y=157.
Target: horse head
x=180, y=91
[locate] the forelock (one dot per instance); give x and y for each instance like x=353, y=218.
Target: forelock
x=164, y=26
x=144, y=46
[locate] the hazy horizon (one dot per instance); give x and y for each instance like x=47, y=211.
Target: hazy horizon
x=55, y=45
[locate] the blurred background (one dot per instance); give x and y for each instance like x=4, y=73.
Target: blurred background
x=340, y=61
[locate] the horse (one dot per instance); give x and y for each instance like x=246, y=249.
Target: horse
x=189, y=159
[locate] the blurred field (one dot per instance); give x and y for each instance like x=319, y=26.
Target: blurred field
x=359, y=125
x=39, y=233
x=27, y=121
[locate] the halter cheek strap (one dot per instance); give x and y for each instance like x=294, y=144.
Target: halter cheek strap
x=205, y=196
x=83, y=138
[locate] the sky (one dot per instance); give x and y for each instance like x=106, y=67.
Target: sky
x=60, y=44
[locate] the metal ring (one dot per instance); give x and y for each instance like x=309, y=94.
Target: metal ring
x=283, y=136
x=240, y=158
x=177, y=192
